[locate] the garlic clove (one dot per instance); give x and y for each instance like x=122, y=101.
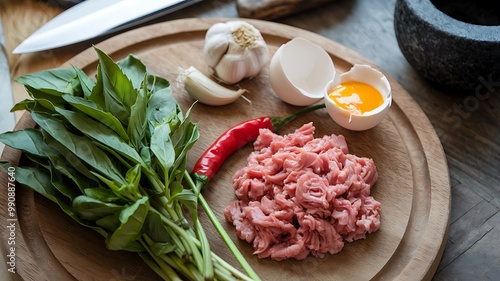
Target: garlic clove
x=257, y=58
x=232, y=67
x=205, y=90
x=216, y=43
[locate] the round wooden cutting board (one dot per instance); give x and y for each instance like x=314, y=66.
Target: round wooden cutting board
x=413, y=184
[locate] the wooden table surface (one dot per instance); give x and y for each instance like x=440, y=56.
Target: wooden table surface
x=468, y=126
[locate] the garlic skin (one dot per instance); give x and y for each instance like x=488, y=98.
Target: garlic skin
x=234, y=50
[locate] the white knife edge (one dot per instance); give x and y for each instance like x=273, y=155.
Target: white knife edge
x=7, y=118
x=135, y=11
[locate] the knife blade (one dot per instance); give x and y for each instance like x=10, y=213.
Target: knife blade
x=7, y=118
x=92, y=18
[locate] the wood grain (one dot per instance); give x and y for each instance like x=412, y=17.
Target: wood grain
x=273, y=9
x=413, y=185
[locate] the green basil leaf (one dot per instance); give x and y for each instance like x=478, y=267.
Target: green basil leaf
x=134, y=69
x=155, y=228
x=130, y=189
x=64, y=185
x=111, y=222
x=138, y=123
x=188, y=198
x=159, y=232
x=163, y=248
x=69, y=164
x=23, y=105
x=40, y=182
x=145, y=153
x=93, y=110
x=92, y=209
x=162, y=108
x=175, y=188
x=157, y=83
x=101, y=133
x=163, y=148
x=79, y=146
x=55, y=81
x=37, y=95
x=97, y=94
x=115, y=186
x=86, y=83
x=118, y=89
x=132, y=178
x=77, y=177
x=134, y=246
x=184, y=138
x=28, y=140
x=42, y=161
x=102, y=96
x=131, y=221
x=103, y=194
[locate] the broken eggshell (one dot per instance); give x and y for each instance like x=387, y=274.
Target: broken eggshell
x=299, y=72
x=359, y=122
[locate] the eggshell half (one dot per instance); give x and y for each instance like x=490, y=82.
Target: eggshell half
x=299, y=72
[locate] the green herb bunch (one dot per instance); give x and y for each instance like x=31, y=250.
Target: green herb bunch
x=111, y=151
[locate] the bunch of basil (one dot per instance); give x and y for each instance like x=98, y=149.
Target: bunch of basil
x=111, y=152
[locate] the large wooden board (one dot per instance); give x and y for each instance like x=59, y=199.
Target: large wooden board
x=413, y=185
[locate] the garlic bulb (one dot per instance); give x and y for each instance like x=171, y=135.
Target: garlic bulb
x=234, y=50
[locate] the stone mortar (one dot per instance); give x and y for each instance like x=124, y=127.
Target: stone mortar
x=452, y=53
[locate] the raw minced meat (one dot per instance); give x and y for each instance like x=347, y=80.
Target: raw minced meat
x=300, y=195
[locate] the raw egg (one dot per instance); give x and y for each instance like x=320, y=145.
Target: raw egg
x=299, y=72
x=360, y=100
x=356, y=97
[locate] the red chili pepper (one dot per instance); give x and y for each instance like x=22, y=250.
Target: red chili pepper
x=239, y=135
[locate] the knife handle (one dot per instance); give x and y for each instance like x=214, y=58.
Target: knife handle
x=272, y=9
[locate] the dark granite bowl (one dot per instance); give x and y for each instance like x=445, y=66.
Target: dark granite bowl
x=455, y=44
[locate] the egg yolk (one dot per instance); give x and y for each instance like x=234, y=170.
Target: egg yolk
x=356, y=97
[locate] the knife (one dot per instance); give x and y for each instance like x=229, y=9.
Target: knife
x=92, y=18
x=7, y=118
